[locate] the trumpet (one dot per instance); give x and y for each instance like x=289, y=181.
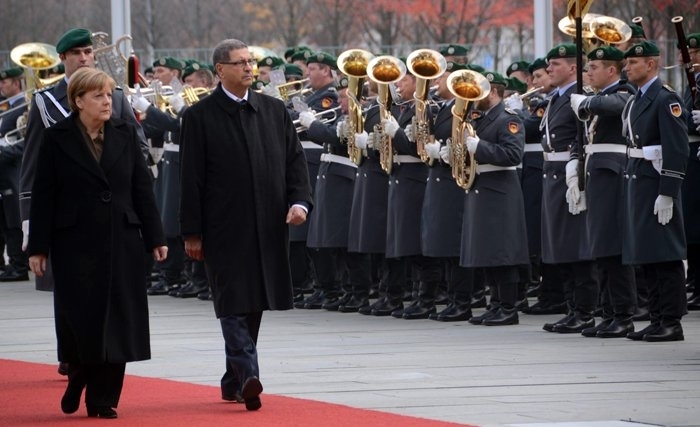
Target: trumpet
x=466, y=86
x=426, y=65
x=531, y=92
x=321, y=116
x=385, y=70
x=293, y=88
x=353, y=63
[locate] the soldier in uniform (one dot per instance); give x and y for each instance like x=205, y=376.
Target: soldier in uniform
x=653, y=234
x=324, y=235
x=691, y=196
x=266, y=65
x=564, y=239
x=606, y=158
x=443, y=205
x=493, y=226
x=167, y=127
x=10, y=160
x=456, y=53
x=49, y=106
x=520, y=70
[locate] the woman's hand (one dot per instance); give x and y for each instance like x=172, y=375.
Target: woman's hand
x=38, y=264
x=160, y=253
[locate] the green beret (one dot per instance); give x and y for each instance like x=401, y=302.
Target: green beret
x=322, y=58
x=75, y=37
x=291, y=70
x=641, y=49
x=11, y=72
x=537, y=64
x=494, y=78
x=258, y=85
x=292, y=50
x=606, y=53
x=562, y=50
x=515, y=84
x=456, y=66
x=475, y=67
x=454, y=50
x=191, y=68
x=693, y=40
x=637, y=31
x=188, y=61
x=301, y=55
x=342, y=83
x=518, y=66
x=270, y=61
x=169, y=62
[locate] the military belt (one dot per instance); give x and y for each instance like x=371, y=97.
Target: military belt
x=492, y=168
x=533, y=147
x=403, y=158
x=605, y=148
x=334, y=158
x=693, y=138
x=308, y=145
x=561, y=156
x=169, y=146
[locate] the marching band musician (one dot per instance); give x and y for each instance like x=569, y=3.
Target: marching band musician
x=653, y=234
x=564, y=239
x=165, y=127
x=606, y=158
x=50, y=105
x=493, y=226
x=10, y=160
x=441, y=216
x=325, y=238
x=405, y=201
x=691, y=197
x=550, y=296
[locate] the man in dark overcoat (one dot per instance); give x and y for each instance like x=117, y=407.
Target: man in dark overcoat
x=244, y=179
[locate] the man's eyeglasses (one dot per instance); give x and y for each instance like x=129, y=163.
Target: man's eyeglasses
x=243, y=62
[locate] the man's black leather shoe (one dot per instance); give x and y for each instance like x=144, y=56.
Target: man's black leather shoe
x=70, y=402
x=549, y=327
x=418, y=310
x=236, y=397
x=324, y=298
x=386, y=307
x=502, y=317
x=160, y=288
x=353, y=305
x=455, y=313
x=12, y=275
x=478, y=320
x=63, y=368
x=191, y=290
x=591, y=332
x=617, y=329
x=665, y=333
x=314, y=298
x=333, y=304
x=541, y=307
x=639, y=335
x=252, y=387
x=101, y=412
x=205, y=295
x=575, y=324
x=694, y=303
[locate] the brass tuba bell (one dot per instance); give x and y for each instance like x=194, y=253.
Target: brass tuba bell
x=466, y=86
x=353, y=63
x=34, y=57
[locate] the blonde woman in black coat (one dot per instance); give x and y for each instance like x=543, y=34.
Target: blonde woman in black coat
x=93, y=211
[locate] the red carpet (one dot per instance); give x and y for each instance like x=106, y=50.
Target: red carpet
x=30, y=395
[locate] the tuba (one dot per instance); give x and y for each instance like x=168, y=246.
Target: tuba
x=34, y=57
x=384, y=70
x=610, y=30
x=466, y=86
x=426, y=65
x=353, y=63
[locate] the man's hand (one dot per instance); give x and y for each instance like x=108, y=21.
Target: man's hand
x=471, y=142
x=390, y=126
x=193, y=248
x=445, y=154
x=296, y=215
x=663, y=209
x=176, y=102
x=696, y=119
x=514, y=102
x=139, y=103
x=432, y=149
x=409, y=133
x=37, y=263
x=306, y=118
x=271, y=90
x=25, y=234
x=361, y=140
x=340, y=128
x=576, y=100
x=160, y=253
x=574, y=198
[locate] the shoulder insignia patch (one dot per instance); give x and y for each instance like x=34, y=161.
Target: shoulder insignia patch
x=540, y=112
x=513, y=127
x=326, y=102
x=676, y=109
x=513, y=112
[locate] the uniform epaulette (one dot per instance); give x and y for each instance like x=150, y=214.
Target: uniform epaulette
x=510, y=111
x=43, y=89
x=669, y=88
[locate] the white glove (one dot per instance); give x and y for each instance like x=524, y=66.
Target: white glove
x=445, y=154
x=25, y=234
x=433, y=150
x=176, y=102
x=663, y=209
x=696, y=117
x=306, y=118
x=471, y=142
x=139, y=103
x=390, y=126
x=409, y=133
x=370, y=140
x=575, y=199
x=340, y=128
x=576, y=101
x=271, y=90
x=361, y=140
x=514, y=102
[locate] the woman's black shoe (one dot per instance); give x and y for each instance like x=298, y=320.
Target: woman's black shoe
x=101, y=412
x=70, y=402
